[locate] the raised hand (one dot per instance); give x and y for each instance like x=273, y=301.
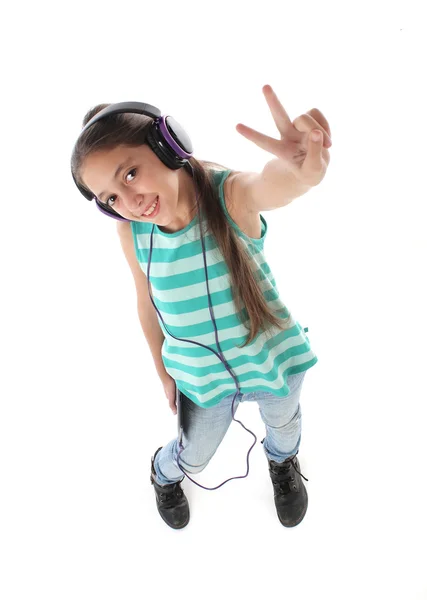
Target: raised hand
x=306, y=158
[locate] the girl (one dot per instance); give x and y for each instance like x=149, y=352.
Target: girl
x=193, y=230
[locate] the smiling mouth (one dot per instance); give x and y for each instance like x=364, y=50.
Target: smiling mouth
x=156, y=199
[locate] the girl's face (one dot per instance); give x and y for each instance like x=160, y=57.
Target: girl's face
x=131, y=179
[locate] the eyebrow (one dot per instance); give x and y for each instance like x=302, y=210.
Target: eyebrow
x=119, y=168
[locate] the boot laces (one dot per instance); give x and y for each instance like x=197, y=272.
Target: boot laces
x=292, y=460
x=284, y=483
x=171, y=494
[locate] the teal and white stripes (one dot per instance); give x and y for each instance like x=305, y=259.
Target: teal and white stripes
x=178, y=284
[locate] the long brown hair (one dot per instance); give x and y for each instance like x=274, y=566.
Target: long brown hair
x=130, y=129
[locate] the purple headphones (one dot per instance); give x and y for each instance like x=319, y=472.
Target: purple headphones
x=166, y=138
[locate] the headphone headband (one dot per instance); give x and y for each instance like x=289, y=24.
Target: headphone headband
x=123, y=107
x=166, y=138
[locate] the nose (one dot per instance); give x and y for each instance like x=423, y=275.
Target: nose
x=132, y=201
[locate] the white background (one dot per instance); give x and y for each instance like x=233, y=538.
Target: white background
x=82, y=409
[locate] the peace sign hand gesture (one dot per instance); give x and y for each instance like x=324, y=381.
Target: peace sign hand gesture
x=306, y=158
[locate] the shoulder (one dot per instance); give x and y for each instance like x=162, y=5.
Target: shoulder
x=124, y=229
x=237, y=188
x=237, y=201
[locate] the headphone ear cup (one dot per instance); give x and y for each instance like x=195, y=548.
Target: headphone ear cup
x=161, y=149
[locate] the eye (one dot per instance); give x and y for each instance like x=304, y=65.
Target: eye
x=128, y=173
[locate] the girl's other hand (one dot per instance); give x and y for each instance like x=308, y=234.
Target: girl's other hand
x=169, y=386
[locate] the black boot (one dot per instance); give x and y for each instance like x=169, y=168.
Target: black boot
x=290, y=495
x=171, y=501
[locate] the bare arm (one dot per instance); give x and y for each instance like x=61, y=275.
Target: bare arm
x=146, y=311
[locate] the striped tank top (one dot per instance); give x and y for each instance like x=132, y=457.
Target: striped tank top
x=178, y=287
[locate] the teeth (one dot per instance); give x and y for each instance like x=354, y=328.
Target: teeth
x=152, y=208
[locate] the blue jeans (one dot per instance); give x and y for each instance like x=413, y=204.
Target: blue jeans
x=205, y=428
